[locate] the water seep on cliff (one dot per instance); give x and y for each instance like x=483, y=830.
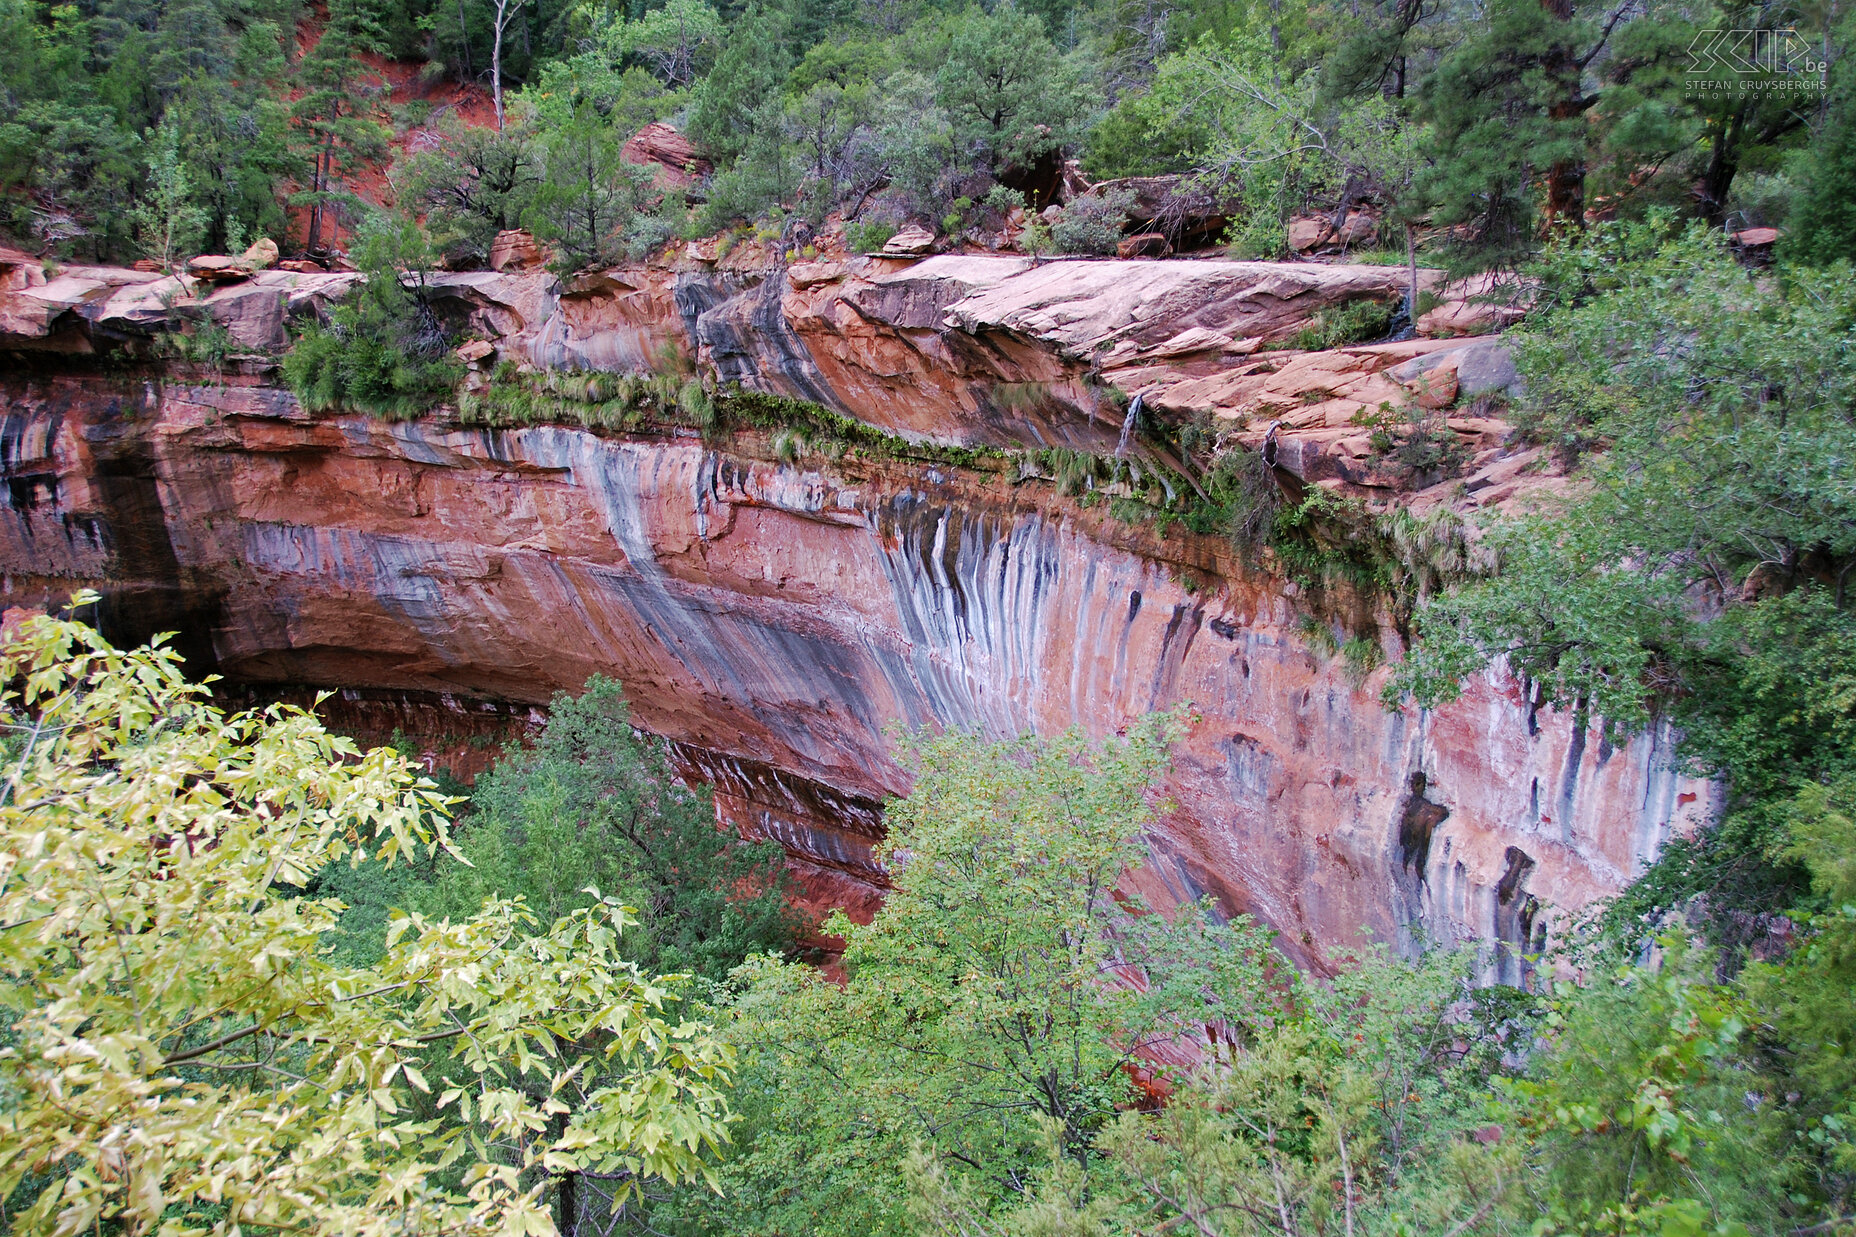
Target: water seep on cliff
x=911, y=549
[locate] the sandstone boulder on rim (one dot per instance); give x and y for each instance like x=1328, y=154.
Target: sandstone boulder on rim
x=674, y=157
x=516, y=249
x=913, y=239
x=261, y=255
x=1308, y=233
x=217, y=268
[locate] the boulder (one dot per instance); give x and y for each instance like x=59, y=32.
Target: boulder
x=300, y=266
x=811, y=274
x=218, y=268
x=1188, y=216
x=910, y=242
x=707, y=251
x=1145, y=245
x=1309, y=232
x=146, y=265
x=475, y=350
x=674, y=157
x=516, y=249
x=1486, y=368
x=261, y=255
x=19, y=271
x=252, y=312
x=1482, y=367
x=1436, y=389
x=1358, y=228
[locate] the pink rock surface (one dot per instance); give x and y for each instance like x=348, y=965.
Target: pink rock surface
x=516, y=249
x=772, y=619
x=677, y=161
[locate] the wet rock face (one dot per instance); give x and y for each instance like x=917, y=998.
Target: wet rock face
x=771, y=620
x=958, y=348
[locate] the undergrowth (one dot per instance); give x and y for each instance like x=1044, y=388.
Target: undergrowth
x=1355, y=322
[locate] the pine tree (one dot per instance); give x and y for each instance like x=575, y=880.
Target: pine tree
x=332, y=127
x=1824, y=227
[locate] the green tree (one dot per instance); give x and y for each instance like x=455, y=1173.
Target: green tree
x=676, y=42
x=1507, y=110
x=474, y=184
x=384, y=350
x=1648, y=1115
x=166, y=221
x=1824, y=229
x=235, y=141
x=185, y=1054
x=1702, y=570
x=594, y=804
x=738, y=102
x=589, y=195
x=1009, y=981
x=1805, y=995
x=1010, y=97
x=1352, y=1108
x=1730, y=482
x=330, y=117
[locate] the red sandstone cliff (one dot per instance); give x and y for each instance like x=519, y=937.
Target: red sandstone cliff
x=772, y=618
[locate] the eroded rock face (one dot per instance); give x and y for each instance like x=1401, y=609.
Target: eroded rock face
x=772, y=619
x=956, y=348
x=673, y=156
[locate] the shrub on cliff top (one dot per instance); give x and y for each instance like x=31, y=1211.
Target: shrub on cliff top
x=384, y=350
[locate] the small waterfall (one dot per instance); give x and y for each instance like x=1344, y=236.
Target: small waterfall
x=1127, y=428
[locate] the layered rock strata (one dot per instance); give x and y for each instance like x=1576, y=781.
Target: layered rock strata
x=771, y=618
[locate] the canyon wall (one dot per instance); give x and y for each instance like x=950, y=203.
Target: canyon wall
x=772, y=617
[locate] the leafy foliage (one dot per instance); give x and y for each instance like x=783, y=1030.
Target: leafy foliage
x=1725, y=407
x=383, y=350
x=186, y=1056
x=1701, y=572
x=983, y=1001
x=594, y=805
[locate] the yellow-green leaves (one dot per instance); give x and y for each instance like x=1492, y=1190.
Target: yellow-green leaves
x=188, y=1058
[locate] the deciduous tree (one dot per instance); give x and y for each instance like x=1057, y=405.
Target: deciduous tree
x=185, y=1055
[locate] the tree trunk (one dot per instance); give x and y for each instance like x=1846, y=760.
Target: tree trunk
x=1722, y=165
x=464, y=40
x=570, y=1204
x=1566, y=177
x=319, y=181
x=496, y=60
x=1411, y=269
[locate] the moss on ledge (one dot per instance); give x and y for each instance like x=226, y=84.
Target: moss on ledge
x=1346, y=557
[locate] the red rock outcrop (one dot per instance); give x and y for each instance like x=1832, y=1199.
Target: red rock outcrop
x=674, y=157
x=771, y=618
x=516, y=249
